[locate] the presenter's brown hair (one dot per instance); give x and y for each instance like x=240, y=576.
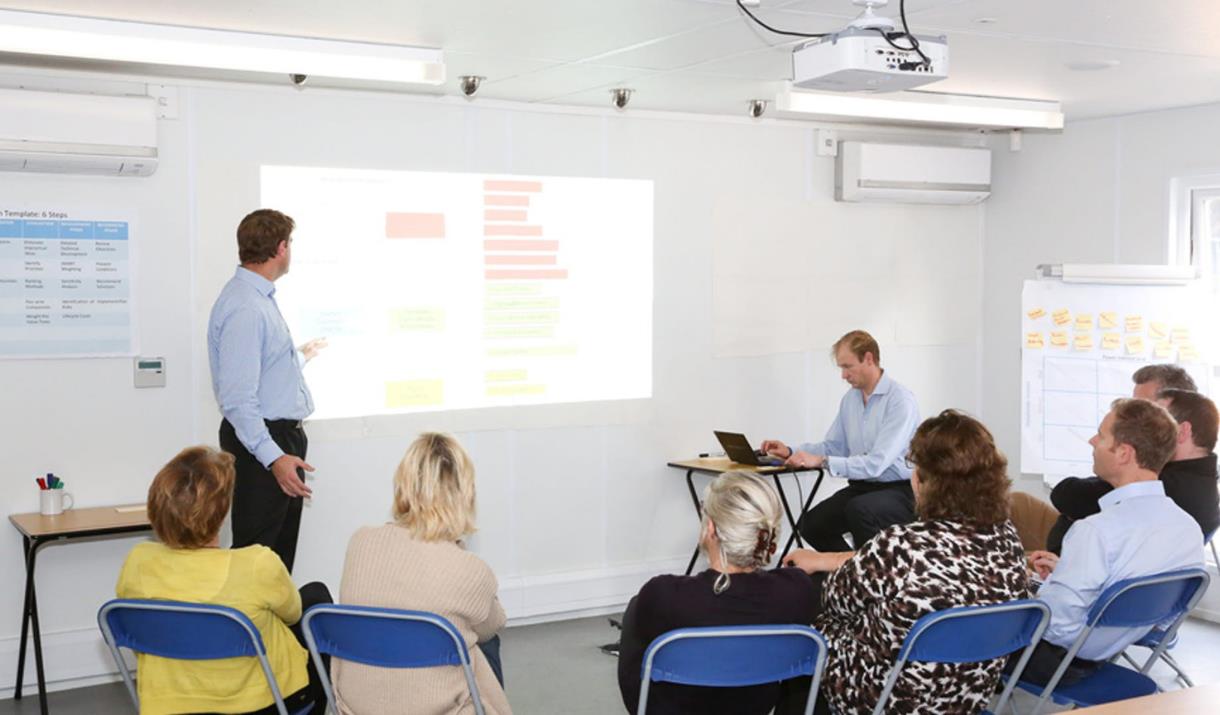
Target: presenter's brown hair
x=190, y=497
x=434, y=496
x=962, y=475
x=858, y=343
x=260, y=234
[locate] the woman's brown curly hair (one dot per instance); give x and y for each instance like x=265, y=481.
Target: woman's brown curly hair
x=189, y=498
x=962, y=476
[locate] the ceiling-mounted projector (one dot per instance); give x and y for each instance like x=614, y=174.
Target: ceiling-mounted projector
x=863, y=59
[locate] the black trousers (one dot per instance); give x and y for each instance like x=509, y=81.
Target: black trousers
x=861, y=509
x=262, y=512
x=311, y=595
x=1045, y=660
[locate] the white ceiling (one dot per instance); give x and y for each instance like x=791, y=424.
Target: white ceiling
x=705, y=56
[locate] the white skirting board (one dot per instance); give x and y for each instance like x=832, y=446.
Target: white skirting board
x=78, y=658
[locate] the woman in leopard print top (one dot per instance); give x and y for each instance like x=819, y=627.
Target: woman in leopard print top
x=963, y=551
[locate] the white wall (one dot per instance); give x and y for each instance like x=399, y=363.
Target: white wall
x=576, y=505
x=1098, y=193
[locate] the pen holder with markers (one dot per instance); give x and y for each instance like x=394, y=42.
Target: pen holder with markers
x=52, y=499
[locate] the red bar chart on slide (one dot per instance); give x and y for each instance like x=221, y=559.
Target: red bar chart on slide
x=442, y=291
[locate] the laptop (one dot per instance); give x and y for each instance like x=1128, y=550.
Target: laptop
x=738, y=449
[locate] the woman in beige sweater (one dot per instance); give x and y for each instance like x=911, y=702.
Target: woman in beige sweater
x=417, y=562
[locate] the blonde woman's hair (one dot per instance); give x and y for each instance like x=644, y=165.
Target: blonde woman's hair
x=746, y=512
x=434, y=489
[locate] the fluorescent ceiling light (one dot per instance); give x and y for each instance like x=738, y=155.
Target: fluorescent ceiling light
x=930, y=108
x=119, y=41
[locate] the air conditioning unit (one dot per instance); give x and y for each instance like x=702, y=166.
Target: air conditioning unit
x=912, y=174
x=64, y=133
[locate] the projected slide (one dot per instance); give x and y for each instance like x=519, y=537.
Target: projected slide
x=442, y=291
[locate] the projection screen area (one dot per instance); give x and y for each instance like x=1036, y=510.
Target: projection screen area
x=449, y=291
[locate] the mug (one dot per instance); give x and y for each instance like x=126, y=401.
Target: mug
x=51, y=502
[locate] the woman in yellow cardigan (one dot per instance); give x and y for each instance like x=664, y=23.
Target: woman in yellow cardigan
x=187, y=503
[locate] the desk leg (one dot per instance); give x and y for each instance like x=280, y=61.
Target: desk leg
x=783, y=499
x=694, y=496
x=796, y=536
x=25, y=619
x=30, y=616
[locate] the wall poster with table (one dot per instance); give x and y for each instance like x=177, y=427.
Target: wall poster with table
x=65, y=283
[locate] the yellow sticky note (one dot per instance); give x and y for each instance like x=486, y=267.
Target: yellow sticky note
x=1111, y=341
x=1107, y=320
x=1187, y=353
x=1063, y=316
x=1159, y=331
x=1059, y=339
x=1084, y=321
x=1033, y=341
x=1180, y=336
x=1084, y=341
x=1163, y=350
x=1036, y=313
x=1135, y=323
x=1135, y=344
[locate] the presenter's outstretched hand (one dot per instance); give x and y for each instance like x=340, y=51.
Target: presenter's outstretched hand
x=311, y=348
x=284, y=470
x=776, y=448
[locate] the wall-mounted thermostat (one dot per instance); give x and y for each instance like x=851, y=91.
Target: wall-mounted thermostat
x=150, y=372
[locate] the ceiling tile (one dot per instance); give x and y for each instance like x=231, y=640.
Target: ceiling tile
x=1185, y=27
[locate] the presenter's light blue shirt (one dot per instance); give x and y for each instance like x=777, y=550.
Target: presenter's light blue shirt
x=1139, y=532
x=869, y=442
x=256, y=370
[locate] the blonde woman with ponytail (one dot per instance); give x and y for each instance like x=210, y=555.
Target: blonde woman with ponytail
x=418, y=562
x=740, y=529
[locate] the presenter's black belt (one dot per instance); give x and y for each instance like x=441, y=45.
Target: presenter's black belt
x=285, y=424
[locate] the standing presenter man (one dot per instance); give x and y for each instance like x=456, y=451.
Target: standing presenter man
x=257, y=380
x=867, y=443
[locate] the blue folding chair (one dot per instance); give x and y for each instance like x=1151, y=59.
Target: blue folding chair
x=734, y=656
x=183, y=631
x=972, y=634
x=1131, y=603
x=387, y=638
x=1154, y=637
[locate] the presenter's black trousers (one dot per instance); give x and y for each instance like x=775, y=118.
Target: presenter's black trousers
x=262, y=512
x=861, y=509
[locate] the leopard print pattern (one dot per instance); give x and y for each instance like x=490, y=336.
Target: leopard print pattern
x=871, y=602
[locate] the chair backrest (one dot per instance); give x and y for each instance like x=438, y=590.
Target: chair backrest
x=1134, y=603
x=1147, y=600
x=734, y=656
x=387, y=638
x=971, y=634
x=182, y=631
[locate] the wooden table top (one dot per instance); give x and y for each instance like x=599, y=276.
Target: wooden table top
x=718, y=465
x=73, y=521
x=1201, y=699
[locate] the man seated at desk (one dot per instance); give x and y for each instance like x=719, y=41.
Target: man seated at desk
x=867, y=443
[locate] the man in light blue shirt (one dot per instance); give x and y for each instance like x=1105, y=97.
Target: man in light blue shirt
x=867, y=443
x=257, y=380
x=1138, y=532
